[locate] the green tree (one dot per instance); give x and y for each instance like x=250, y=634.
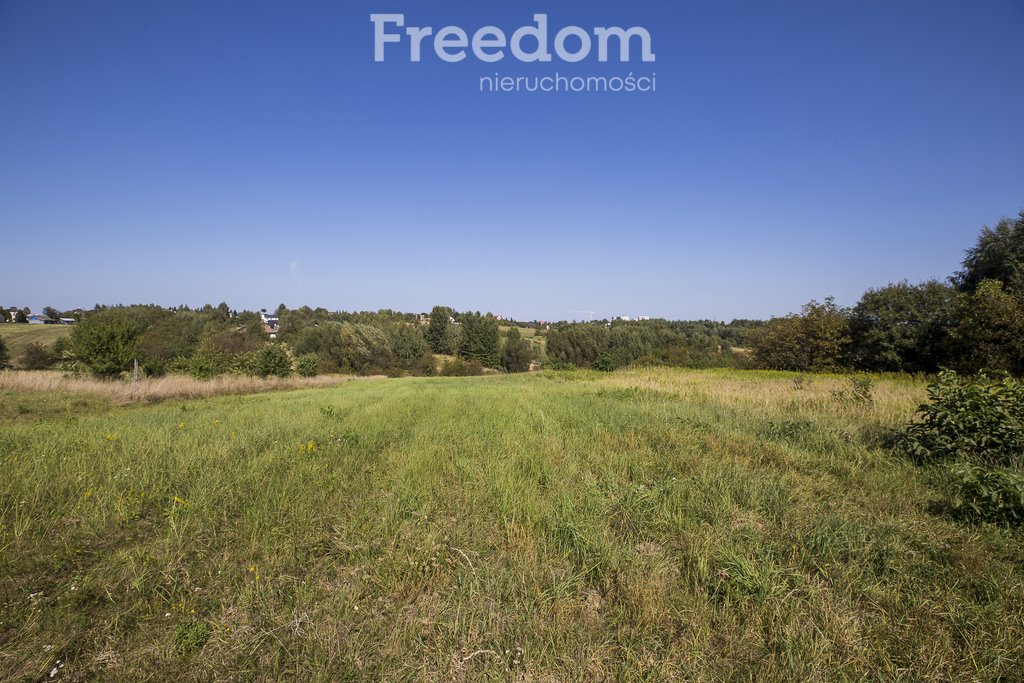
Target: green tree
x=627, y=342
x=814, y=341
x=107, y=341
x=365, y=349
x=5, y=355
x=308, y=365
x=903, y=327
x=410, y=350
x=580, y=344
x=480, y=339
x=271, y=360
x=989, y=333
x=998, y=255
x=452, y=340
x=439, y=324
x=516, y=355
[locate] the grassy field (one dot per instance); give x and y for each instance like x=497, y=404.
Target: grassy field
x=643, y=525
x=18, y=336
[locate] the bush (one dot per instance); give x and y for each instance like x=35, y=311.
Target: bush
x=4, y=353
x=984, y=494
x=205, y=363
x=107, y=342
x=271, y=360
x=37, y=357
x=462, y=368
x=605, y=362
x=972, y=419
x=308, y=365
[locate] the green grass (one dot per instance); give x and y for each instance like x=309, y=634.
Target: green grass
x=19, y=336
x=643, y=525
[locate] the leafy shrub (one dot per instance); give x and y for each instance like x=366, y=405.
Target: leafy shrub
x=973, y=419
x=308, y=365
x=271, y=360
x=108, y=341
x=205, y=363
x=605, y=362
x=991, y=495
x=462, y=368
x=37, y=357
x=4, y=353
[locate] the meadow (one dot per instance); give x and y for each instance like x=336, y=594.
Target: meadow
x=18, y=337
x=654, y=524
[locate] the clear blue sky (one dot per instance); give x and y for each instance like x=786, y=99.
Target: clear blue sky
x=254, y=152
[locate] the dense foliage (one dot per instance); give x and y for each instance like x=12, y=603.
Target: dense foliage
x=975, y=322
x=516, y=354
x=619, y=343
x=973, y=427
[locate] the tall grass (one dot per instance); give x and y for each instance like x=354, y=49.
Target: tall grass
x=152, y=389
x=645, y=525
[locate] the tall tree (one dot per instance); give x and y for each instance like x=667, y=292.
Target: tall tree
x=480, y=339
x=439, y=321
x=814, y=341
x=998, y=255
x=903, y=327
x=990, y=331
x=579, y=344
x=515, y=355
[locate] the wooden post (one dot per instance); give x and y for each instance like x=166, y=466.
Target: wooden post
x=135, y=376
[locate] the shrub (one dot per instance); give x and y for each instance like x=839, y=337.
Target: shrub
x=108, y=341
x=205, y=363
x=973, y=419
x=308, y=365
x=990, y=495
x=4, y=353
x=271, y=360
x=462, y=368
x=37, y=357
x=605, y=362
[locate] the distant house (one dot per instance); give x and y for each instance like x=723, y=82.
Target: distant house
x=68, y=321
x=41, y=319
x=270, y=323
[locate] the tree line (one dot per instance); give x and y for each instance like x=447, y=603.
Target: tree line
x=215, y=340
x=972, y=321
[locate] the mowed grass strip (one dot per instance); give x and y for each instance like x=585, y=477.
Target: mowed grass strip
x=643, y=525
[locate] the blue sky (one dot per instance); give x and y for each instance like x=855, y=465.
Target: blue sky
x=254, y=153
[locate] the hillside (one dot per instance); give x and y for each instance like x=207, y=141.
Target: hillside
x=18, y=336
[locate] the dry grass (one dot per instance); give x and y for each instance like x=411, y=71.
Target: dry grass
x=153, y=389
